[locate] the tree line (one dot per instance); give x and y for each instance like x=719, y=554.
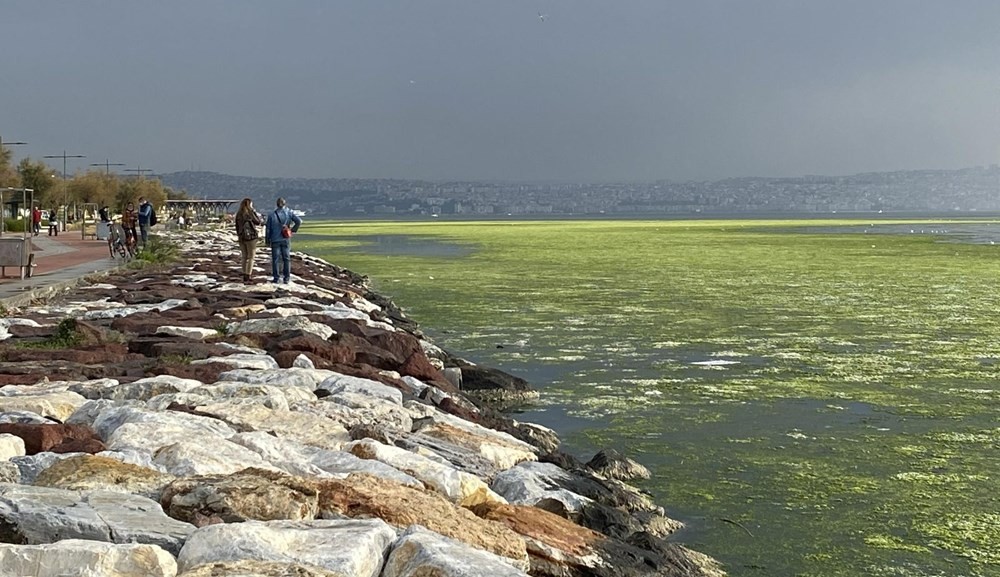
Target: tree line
x=93, y=186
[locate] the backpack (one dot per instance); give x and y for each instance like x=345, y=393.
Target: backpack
x=249, y=231
x=152, y=216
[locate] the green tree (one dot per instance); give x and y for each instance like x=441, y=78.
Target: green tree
x=38, y=176
x=8, y=177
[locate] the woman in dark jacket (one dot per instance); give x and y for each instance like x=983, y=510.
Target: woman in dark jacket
x=247, y=231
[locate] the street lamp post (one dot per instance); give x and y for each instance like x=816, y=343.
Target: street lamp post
x=107, y=164
x=139, y=170
x=64, y=156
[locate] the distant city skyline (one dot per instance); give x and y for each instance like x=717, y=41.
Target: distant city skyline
x=440, y=90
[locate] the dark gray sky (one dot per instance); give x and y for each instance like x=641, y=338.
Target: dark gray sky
x=601, y=90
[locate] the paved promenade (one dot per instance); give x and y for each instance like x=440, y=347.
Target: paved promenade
x=59, y=260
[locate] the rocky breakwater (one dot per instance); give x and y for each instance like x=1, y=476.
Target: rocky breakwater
x=173, y=421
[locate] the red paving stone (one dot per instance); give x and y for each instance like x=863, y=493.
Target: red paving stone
x=83, y=251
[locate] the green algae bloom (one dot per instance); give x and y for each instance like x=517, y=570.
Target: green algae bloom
x=835, y=392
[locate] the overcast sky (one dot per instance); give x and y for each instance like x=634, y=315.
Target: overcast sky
x=598, y=90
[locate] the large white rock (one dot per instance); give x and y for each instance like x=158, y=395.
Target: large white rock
x=354, y=547
x=351, y=410
x=279, y=325
x=307, y=378
x=37, y=515
x=459, y=487
x=6, y=323
x=502, y=449
x=529, y=483
x=113, y=417
x=420, y=552
x=113, y=310
x=59, y=404
x=308, y=461
x=80, y=558
x=23, y=417
x=11, y=446
x=201, y=456
x=194, y=333
x=339, y=383
x=242, y=361
x=303, y=427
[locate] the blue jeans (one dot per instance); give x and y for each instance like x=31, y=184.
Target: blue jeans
x=281, y=249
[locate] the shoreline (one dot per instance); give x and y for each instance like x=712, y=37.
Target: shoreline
x=231, y=409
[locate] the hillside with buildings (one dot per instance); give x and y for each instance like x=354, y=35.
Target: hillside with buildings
x=964, y=190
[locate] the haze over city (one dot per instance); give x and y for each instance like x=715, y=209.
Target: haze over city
x=596, y=91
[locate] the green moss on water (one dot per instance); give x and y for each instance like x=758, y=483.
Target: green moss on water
x=835, y=393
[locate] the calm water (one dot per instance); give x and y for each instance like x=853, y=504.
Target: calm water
x=750, y=411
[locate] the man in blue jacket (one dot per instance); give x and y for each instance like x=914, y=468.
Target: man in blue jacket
x=145, y=214
x=280, y=242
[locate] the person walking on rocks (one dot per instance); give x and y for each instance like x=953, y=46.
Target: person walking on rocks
x=247, y=225
x=281, y=224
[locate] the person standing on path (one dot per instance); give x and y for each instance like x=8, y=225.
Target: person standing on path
x=129, y=220
x=281, y=224
x=53, y=223
x=247, y=224
x=36, y=220
x=145, y=214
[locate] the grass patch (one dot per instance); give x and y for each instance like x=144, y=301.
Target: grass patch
x=158, y=251
x=66, y=337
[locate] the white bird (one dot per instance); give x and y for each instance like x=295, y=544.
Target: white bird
x=542, y=16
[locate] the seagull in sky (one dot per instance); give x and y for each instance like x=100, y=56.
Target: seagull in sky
x=542, y=16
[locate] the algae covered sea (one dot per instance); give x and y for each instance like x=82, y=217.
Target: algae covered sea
x=812, y=397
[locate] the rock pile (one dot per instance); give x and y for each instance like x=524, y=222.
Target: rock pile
x=178, y=422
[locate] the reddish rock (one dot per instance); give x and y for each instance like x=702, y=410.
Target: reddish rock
x=91, y=446
x=207, y=373
x=91, y=355
x=417, y=365
x=39, y=438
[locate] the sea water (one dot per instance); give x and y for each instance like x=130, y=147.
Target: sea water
x=811, y=401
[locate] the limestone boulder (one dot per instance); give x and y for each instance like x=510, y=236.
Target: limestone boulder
x=339, y=383
x=502, y=449
x=30, y=466
x=58, y=404
x=279, y=325
x=300, y=459
x=251, y=494
x=113, y=417
x=80, y=558
x=295, y=425
x=194, y=333
x=140, y=390
x=402, y=506
x=346, y=547
x=9, y=472
x=24, y=417
x=419, y=552
x=306, y=378
x=457, y=486
x=195, y=456
x=241, y=361
x=248, y=568
x=11, y=446
x=96, y=472
x=38, y=515
x=351, y=410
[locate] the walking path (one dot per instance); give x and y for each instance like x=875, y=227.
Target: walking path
x=59, y=261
